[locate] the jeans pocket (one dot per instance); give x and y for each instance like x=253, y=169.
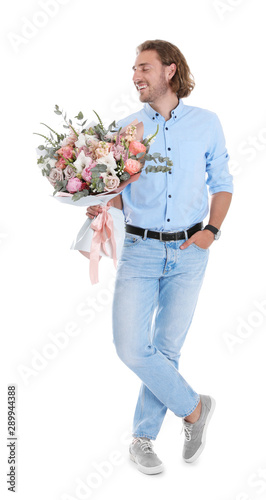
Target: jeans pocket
x=131, y=239
x=199, y=248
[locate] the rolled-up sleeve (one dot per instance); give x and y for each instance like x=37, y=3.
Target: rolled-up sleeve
x=217, y=157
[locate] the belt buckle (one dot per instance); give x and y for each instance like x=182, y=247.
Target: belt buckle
x=161, y=233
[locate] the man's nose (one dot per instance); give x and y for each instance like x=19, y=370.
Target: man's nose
x=136, y=76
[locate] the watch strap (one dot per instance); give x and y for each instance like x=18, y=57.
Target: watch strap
x=211, y=228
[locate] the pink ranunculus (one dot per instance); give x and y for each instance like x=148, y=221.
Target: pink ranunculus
x=61, y=163
x=66, y=152
x=136, y=147
x=74, y=184
x=86, y=174
x=132, y=166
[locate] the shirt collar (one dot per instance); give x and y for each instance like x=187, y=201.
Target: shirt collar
x=175, y=113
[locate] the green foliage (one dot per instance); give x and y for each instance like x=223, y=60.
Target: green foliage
x=79, y=116
x=157, y=168
x=100, y=167
x=57, y=110
x=80, y=194
x=60, y=186
x=125, y=176
x=97, y=185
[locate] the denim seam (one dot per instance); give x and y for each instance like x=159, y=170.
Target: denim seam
x=160, y=353
x=183, y=416
x=144, y=435
x=144, y=387
x=165, y=264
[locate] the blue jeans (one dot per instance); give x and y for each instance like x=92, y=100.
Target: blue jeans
x=156, y=291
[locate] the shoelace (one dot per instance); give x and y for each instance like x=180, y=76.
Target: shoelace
x=187, y=430
x=145, y=445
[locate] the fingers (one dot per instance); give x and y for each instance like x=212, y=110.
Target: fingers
x=94, y=210
x=186, y=243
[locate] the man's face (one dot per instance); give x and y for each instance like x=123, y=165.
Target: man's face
x=150, y=76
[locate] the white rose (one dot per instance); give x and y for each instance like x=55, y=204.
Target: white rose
x=111, y=182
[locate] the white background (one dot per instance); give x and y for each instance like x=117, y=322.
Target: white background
x=75, y=411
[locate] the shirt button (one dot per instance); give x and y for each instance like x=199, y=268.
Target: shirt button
x=169, y=149
x=156, y=114
x=166, y=128
x=169, y=196
x=168, y=220
x=169, y=172
x=153, y=118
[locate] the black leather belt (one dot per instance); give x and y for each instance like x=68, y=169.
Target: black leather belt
x=163, y=235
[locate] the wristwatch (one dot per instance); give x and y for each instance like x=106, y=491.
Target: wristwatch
x=214, y=230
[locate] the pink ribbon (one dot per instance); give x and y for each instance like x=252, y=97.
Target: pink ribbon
x=103, y=227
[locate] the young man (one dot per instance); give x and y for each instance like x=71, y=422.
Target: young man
x=166, y=249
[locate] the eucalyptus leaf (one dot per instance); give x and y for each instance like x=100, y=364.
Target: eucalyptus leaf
x=101, y=167
x=80, y=116
x=94, y=175
x=125, y=176
x=148, y=157
x=78, y=195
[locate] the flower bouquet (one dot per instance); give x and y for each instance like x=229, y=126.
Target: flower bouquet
x=90, y=165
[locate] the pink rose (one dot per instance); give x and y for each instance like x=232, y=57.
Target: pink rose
x=74, y=184
x=86, y=174
x=61, y=163
x=66, y=152
x=136, y=147
x=132, y=166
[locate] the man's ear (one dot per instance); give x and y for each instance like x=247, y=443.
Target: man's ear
x=171, y=70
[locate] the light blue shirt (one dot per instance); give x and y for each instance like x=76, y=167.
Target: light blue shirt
x=193, y=139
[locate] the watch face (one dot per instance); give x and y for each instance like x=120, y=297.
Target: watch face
x=217, y=235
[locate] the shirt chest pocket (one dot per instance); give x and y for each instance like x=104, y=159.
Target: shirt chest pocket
x=192, y=156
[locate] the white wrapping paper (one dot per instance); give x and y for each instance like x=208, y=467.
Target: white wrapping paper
x=84, y=237
x=82, y=241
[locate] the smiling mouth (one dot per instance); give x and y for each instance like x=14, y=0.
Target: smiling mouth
x=141, y=86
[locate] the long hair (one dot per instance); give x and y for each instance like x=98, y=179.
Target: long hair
x=182, y=83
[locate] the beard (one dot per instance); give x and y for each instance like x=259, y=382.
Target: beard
x=152, y=93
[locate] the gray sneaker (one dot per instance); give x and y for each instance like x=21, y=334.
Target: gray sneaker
x=141, y=452
x=195, y=434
